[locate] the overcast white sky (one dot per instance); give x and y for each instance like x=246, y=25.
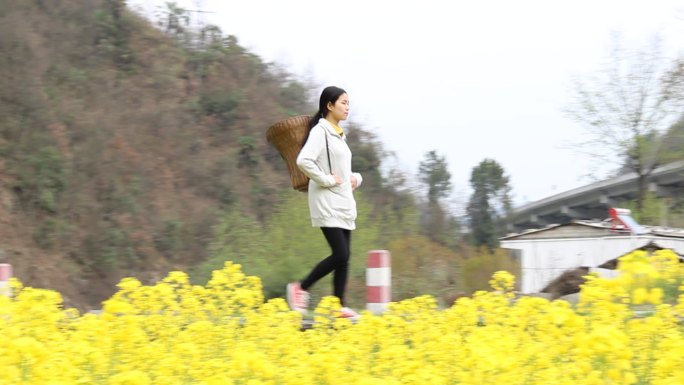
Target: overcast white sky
x=470, y=79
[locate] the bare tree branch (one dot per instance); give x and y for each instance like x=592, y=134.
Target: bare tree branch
x=627, y=107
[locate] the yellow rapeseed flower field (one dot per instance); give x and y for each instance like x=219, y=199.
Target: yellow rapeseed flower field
x=625, y=330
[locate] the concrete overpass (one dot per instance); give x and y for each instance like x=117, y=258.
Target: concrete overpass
x=592, y=201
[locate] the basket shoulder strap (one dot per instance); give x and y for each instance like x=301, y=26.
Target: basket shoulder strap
x=327, y=149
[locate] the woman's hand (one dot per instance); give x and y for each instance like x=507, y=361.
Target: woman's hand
x=338, y=180
x=354, y=182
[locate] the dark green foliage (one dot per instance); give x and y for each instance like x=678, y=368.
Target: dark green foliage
x=111, y=248
x=172, y=238
x=262, y=198
x=434, y=172
x=293, y=97
x=41, y=178
x=489, y=202
x=50, y=232
x=176, y=20
x=437, y=224
x=113, y=34
x=225, y=194
x=220, y=103
x=247, y=156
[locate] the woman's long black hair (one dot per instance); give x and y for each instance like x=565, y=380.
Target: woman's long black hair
x=329, y=95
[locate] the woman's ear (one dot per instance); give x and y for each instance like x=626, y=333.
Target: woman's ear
x=330, y=106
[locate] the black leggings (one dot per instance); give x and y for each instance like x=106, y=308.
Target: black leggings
x=340, y=242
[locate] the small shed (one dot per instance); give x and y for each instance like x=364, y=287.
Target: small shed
x=547, y=253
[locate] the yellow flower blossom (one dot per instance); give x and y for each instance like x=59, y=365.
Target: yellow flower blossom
x=624, y=330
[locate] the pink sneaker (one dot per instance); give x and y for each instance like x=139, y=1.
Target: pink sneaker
x=346, y=312
x=297, y=298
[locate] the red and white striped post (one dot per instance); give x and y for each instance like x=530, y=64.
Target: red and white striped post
x=378, y=281
x=5, y=275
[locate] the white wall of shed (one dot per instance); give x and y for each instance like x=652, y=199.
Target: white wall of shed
x=542, y=260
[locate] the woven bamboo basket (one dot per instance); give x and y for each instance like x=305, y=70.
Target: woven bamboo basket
x=287, y=136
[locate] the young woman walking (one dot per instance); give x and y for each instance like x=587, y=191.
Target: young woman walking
x=326, y=159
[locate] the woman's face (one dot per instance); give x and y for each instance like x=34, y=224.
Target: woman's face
x=339, y=110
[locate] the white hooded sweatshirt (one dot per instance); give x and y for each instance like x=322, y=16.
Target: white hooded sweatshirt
x=330, y=205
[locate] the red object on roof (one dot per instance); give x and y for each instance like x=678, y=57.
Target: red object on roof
x=622, y=220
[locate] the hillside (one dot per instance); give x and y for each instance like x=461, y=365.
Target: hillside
x=109, y=128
